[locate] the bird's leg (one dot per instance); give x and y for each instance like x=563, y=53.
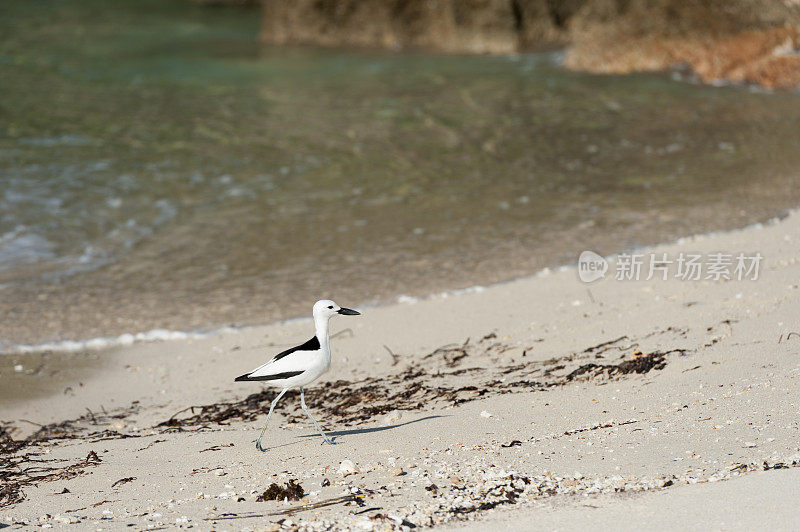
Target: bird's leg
x=271, y=408
x=305, y=408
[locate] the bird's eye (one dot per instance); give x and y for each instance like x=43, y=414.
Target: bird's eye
x=330, y=307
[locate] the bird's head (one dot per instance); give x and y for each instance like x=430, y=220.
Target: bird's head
x=326, y=308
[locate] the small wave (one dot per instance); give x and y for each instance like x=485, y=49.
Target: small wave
x=20, y=247
x=60, y=140
x=97, y=344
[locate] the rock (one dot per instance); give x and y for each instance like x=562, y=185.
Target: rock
x=738, y=40
x=472, y=26
x=117, y=425
x=397, y=472
x=219, y=472
x=347, y=467
x=236, y=3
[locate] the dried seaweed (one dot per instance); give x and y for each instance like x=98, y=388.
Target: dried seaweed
x=639, y=364
x=289, y=511
x=292, y=492
x=433, y=378
x=600, y=426
x=18, y=455
x=15, y=477
x=123, y=481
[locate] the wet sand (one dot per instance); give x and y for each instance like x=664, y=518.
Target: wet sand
x=530, y=399
x=27, y=376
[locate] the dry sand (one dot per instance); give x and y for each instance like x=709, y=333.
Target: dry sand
x=534, y=416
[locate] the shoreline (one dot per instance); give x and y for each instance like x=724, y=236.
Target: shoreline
x=102, y=343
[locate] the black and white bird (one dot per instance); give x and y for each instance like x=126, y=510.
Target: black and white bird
x=301, y=365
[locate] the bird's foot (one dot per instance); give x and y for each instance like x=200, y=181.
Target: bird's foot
x=258, y=445
x=328, y=440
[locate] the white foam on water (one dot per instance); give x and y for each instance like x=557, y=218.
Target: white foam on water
x=107, y=342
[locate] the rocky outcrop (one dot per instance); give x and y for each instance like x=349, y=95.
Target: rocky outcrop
x=753, y=41
x=766, y=57
x=740, y=40
x=474, y=26
x=235, y=3
x=469, y=26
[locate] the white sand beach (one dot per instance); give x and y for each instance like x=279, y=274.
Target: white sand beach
x=555, y=405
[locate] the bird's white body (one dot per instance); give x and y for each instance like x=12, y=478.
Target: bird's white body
x=314, y=363
x=300, y=365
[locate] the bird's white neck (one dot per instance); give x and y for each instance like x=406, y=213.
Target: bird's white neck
x=321, y=326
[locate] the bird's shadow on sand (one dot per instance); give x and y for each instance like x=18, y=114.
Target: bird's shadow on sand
x=336, y=434
x=350, y=432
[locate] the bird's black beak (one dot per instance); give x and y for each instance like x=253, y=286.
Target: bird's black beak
x=348, y=312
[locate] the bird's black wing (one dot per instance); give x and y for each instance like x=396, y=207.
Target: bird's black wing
x=311, y=345
x=274, y=377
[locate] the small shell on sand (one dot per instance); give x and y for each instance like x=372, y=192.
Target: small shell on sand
x=347, y=467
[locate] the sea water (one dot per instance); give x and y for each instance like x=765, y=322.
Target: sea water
x=161, y=170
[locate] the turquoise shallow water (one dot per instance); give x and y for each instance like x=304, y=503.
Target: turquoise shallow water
x=158, y=168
